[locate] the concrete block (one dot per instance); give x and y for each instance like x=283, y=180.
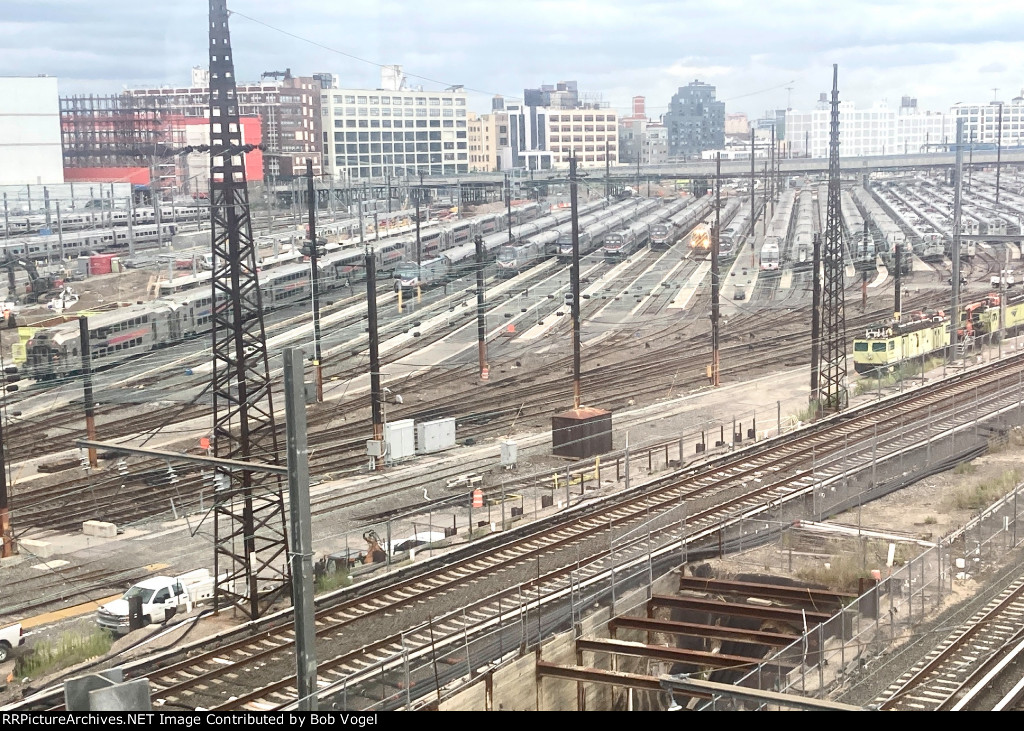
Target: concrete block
x=76, y=690
x=41, y=549
x=99, y=529
x=131, y=696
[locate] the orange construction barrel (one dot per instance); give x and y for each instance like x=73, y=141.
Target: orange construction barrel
x=478, y=498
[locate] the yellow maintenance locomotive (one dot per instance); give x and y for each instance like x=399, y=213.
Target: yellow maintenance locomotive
x=922, y=333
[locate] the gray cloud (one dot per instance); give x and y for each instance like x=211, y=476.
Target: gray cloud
x=932, y=50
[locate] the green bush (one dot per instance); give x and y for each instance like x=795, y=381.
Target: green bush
x=330, y=582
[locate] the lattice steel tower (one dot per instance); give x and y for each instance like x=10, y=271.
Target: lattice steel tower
x=832, y=395
x=249, y=517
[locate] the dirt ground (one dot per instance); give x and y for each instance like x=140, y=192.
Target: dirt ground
x=928, y=510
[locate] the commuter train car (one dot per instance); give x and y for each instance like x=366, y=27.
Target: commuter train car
x=680, y=222
x=802, y=245
x=514, y=259
x=95, y=218
x=624, y=242
x=451, y=265
x=770, y=255
x=734, y=236
x=83, y=243
x=594, y=228
x=620, y=244
x=117, y=335
x=781, y=226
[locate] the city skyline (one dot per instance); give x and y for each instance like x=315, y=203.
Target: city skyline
x=938, y=52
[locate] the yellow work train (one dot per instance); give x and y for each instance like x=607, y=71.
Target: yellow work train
x=918, y=334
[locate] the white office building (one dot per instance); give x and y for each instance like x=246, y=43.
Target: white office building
x=30, y=146
x=981, y=121
x=879, y=130
x=394, y=130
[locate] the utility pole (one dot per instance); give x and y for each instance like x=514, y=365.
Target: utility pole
x=90, y=414
x=250, y=522
x=362, y=229
x=864, y=270
x=714, y=271
x=771, y=156
x=764, y=188
x=131, y=226
x=480, y=319
x=897, y=308
x=60, y=232
x=954, y=317
x=508, y=206
x=970, y=164
x=314, y=252
x=999, y=152
x=376, y=393
x=832, y=371
x=6, y=538
x=154, y=184
x=575, y=305
x=301, y=554
x=607, y=174
x=753, y=195
x=638, y=172
x=815, y=396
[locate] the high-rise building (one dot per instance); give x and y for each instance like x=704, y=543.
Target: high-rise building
x=556, y=121
x=695, y=120
x=394, y=130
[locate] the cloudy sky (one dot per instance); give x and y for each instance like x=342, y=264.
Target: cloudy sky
x=940, y=51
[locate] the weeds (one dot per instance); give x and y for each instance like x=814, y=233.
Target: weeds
x=843, y=572
x=965, y=468
x=71, y=648
x=982, y=494
x=908, y=370
x=331, y=581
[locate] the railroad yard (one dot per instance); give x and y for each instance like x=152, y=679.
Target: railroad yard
x=445, y=571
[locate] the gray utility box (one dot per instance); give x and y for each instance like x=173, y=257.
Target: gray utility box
x=400, y=437
x=509, y=453
x=434, y=436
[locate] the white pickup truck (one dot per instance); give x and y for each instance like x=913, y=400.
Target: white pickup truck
x=10, y=637
x=161, y=597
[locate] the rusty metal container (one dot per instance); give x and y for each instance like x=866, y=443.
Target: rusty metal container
x=581, y=433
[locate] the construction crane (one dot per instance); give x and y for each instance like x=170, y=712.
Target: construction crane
x=286, y=74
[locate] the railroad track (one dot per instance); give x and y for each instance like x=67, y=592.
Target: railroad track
x=967, y=670
x=146, y=489
x=544, y=560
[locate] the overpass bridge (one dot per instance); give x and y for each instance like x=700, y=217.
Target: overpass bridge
x=741, y=168
x=481, y=187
